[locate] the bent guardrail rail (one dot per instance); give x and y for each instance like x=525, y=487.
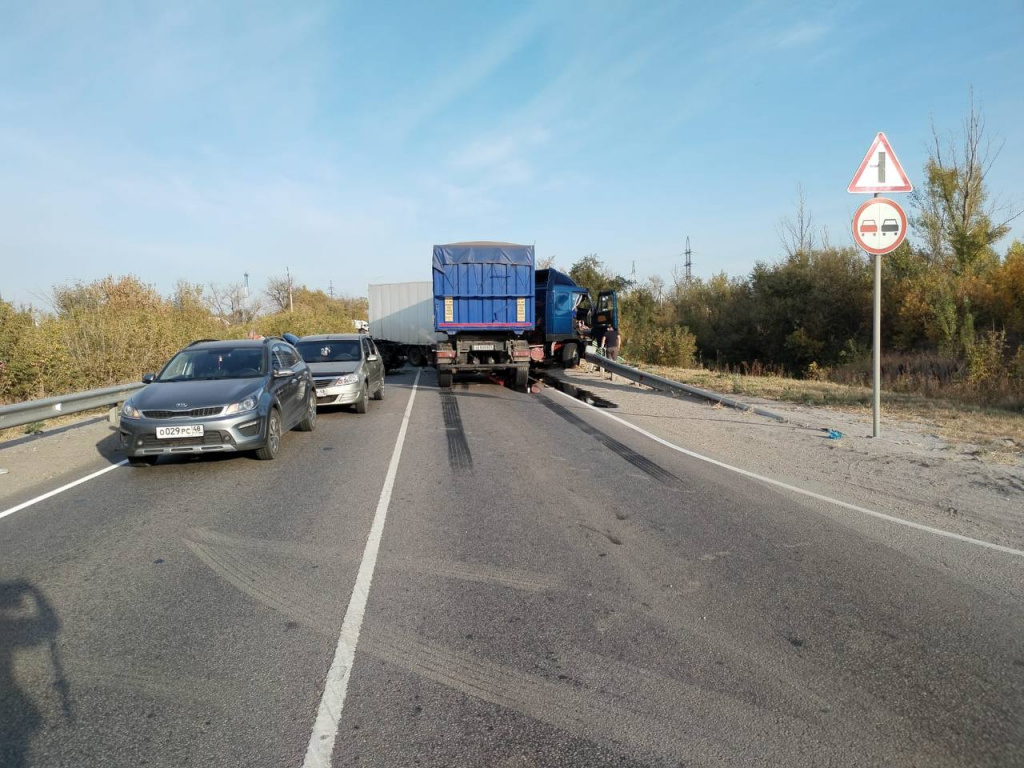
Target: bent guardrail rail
x=662, y=384
x=32, y=411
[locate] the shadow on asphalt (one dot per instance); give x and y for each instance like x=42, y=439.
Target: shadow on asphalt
x=27, y=620
x=48, y=432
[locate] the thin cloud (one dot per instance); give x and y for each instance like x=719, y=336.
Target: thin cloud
x=801, y=34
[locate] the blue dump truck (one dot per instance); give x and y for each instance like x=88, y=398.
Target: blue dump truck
x=484, y=302
x=568, y=318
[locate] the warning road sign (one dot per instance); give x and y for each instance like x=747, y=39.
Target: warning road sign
x=879, y=226
x=880, y=171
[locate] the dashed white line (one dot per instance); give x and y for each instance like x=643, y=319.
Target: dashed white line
x=325, y=729
x=55, y=491
x=796, y=489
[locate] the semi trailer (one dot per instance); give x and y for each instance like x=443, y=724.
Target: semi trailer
x=402, y=322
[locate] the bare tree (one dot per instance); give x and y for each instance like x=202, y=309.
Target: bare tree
x=278, y=290
x=230, y=304
x=797, y=236
x=546, y=263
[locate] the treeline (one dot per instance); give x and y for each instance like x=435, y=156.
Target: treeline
x=959, y=333
x=112, y=330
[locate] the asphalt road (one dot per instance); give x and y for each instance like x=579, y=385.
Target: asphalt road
x=552, y=589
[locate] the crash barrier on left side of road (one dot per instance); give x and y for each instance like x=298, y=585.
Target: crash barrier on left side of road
x=662, y=384
x=32, y=411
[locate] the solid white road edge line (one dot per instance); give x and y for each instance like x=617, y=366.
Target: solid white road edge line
x=325, y=729
x=63, y=488
x=795, y=489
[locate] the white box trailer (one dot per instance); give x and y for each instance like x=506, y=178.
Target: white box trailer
x=402, y=322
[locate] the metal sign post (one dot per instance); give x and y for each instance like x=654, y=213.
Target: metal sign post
x=879, y=227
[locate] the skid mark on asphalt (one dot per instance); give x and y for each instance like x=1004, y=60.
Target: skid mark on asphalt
x=642, y=463
x=273, y=587
x=590, y=714
x=264, y=546
x=479, y=573
x=459, y=456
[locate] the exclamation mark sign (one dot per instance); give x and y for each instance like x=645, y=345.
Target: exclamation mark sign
x=881, y=167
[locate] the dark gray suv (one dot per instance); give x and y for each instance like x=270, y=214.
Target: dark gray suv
x=220, y=396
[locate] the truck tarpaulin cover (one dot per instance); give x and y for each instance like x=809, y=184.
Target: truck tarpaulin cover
x=483, y=287
x=482, y=253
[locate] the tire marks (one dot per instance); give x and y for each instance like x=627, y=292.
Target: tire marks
x=642, y=463
x=459, y=456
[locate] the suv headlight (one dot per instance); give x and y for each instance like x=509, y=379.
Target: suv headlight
x=348, y=378
x=129, y=411
x=241, y=407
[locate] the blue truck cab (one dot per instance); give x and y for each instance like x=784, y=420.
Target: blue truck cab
x=568, y=318
x=484, y=303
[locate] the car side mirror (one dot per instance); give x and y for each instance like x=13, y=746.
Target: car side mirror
x=280, y=373
x=148, y=378
x=372, y=359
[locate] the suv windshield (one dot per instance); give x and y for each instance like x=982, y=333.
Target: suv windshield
x=217, y=363
x=341, y=350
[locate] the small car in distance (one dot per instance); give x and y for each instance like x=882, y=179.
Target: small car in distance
x=890, y=226
x=347, y=368
x=215, y=396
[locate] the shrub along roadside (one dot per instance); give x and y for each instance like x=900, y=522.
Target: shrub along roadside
x=113, y=330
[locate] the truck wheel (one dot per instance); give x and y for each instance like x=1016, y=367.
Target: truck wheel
x=522, y=378
x=444, y=379
x=570, y=355
x=415, y=357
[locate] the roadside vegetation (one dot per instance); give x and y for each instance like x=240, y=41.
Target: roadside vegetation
x=112, y=330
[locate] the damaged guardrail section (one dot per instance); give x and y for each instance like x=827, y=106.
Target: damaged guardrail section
x=61, y=405
x=662, y=384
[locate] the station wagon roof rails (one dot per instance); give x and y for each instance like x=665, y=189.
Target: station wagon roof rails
x=202, y=341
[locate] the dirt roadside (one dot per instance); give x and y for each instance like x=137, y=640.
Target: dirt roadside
x=907, y=472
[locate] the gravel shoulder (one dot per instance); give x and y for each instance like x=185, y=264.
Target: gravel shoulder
x=907, y=471
x=38, y=463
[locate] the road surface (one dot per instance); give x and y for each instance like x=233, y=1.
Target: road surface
x=551, y=588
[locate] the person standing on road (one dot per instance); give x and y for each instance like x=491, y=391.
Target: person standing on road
x=611, y=342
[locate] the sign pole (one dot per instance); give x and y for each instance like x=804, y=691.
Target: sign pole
x=879, y=227
x=876, y=400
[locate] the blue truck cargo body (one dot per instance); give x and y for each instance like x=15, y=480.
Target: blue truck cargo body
x=483, y=287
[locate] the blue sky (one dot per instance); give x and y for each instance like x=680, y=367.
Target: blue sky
x=203, y=140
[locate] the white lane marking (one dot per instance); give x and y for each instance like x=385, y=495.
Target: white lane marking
x=63, y=488
x=795, y=489
x=325, y=729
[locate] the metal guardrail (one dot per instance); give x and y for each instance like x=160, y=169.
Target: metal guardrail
x=662, y=384
x=50, y=407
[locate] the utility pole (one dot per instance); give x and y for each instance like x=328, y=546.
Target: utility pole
x=291, y=306
x=330, y=288
x=689, y=260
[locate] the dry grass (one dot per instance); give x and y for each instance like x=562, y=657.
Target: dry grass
x=997, y=432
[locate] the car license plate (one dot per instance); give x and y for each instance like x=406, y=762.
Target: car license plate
x=321, y=393
x=483, y=347
x=189, y=430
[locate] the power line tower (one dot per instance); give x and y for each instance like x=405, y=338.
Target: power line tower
x=689, y=260
x=330, y=288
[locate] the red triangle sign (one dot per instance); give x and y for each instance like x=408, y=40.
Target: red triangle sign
x=880, y=171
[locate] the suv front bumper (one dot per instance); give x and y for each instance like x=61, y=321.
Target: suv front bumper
x=238, y=432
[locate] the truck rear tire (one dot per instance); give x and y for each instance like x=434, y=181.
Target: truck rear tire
x=444, y=379
x=522, y=378
x=415, y=357
x=570, y=355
